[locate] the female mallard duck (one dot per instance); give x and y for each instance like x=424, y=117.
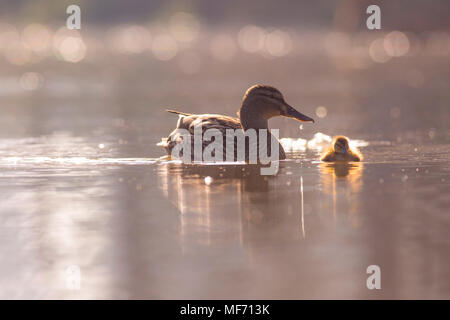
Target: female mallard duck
x=260, y=103
x=341, y=151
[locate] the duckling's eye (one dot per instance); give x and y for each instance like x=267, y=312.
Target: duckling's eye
x=340, y=144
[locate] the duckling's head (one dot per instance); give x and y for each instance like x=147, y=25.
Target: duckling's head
x=262, y=102
x=341, y=145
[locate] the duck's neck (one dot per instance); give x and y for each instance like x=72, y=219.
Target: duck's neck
x=254, y=124
x=250, y=119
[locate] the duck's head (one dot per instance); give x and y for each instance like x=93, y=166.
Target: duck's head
x=341, y=145
x=262, y=102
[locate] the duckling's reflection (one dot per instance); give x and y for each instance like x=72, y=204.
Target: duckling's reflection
x=236, y=202
x=343, y=181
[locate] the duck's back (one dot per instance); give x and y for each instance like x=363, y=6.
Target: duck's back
x=208, y=121
x=188, y=124
x=191, y=123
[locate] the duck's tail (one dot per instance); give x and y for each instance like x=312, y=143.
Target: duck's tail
x=179, y=113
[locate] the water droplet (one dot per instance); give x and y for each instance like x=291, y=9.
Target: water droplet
x=208, y=180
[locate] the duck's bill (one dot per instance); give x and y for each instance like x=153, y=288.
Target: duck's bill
x=292, y=113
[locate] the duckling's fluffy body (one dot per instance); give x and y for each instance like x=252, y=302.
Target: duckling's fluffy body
x=341, y=151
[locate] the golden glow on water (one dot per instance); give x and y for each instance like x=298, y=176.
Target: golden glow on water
x=112, y=215
x=14, y=161
x=343, y=181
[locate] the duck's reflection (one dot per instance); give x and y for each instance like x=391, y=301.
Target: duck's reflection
x=236, y=202
x=343, y=182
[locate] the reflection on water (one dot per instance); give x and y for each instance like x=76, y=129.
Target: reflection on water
x=343, y=181
x=27, y=161
x=350, y=170
x=252, y=201
x=144, y=227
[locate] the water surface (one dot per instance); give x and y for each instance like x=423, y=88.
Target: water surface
x=145, y=228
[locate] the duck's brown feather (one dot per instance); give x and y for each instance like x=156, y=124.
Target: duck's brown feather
x=191, y=122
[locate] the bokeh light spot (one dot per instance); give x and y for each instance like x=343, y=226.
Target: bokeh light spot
x=164, y=47
x=321, y=111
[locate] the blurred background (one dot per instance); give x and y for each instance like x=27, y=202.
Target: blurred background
x=81, y=111
x=131, y=60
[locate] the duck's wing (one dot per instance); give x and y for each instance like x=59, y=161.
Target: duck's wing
x=211, y=121
x=192, y=122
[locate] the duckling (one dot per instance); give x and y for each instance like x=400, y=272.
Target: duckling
x=259, y=104
x=341, y=151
